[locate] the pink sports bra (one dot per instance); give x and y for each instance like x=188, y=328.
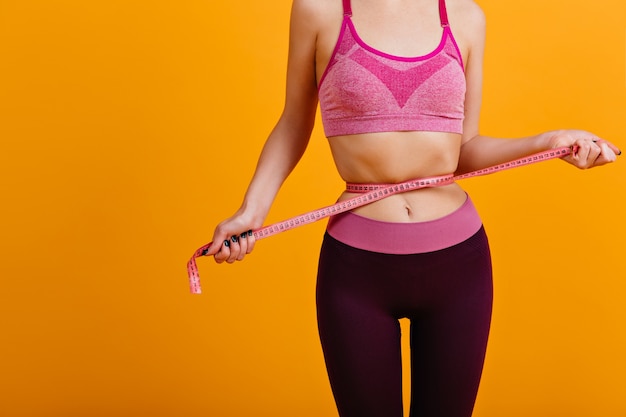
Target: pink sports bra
x=364, y=90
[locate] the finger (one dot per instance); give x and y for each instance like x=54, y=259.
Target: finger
x=223, y=253
x=219, y=237
x=243, y=246
x=586, y=154
x=612, y=147
x=607, y=153
x=579, y=155
x=594, y=152
x=214, y=248
x=234, y=249
x=251, y=240
x=604, y=156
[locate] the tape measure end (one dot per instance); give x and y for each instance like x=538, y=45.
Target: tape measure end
x=195, y=288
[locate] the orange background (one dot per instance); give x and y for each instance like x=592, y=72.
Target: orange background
x=129, y=129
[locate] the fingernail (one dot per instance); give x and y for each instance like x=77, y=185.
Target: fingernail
x=250, y=231
x=243, y=235
x=227, y=243
x=619, y=153
x=235, y=239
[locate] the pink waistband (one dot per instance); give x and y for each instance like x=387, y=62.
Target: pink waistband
x=406, y=238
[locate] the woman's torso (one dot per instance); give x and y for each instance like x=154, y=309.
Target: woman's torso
x=405, y=29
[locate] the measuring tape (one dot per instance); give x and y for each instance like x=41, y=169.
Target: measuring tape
x=371, y=193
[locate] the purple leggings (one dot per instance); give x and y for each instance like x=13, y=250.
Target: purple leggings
x=446, y=294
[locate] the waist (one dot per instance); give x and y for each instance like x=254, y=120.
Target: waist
x=405, y=238
x=411, y=206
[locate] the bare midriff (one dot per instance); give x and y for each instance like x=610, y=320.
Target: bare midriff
x=393, y=157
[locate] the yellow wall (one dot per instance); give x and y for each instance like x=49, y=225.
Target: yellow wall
x=128, y=129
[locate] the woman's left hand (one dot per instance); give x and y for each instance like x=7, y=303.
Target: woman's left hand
x=588, y=150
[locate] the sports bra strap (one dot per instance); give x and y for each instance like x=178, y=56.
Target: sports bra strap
x=443, y=14
x=347, y=8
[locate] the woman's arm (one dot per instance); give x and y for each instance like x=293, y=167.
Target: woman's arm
x=284, y=146
x=479, y=151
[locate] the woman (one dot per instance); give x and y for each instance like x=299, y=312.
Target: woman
x=399, y=86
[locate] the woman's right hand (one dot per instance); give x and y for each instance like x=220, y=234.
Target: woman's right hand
x=233, y=238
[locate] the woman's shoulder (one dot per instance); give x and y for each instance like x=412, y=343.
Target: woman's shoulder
x=317, y=15
x=467, y=21
x=465, y=13
x=317, y=10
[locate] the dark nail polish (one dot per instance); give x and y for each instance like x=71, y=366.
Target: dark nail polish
x=227, y=243
x=243, y=235
x=620, y=152
x=250, y=231
x=235, y=239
